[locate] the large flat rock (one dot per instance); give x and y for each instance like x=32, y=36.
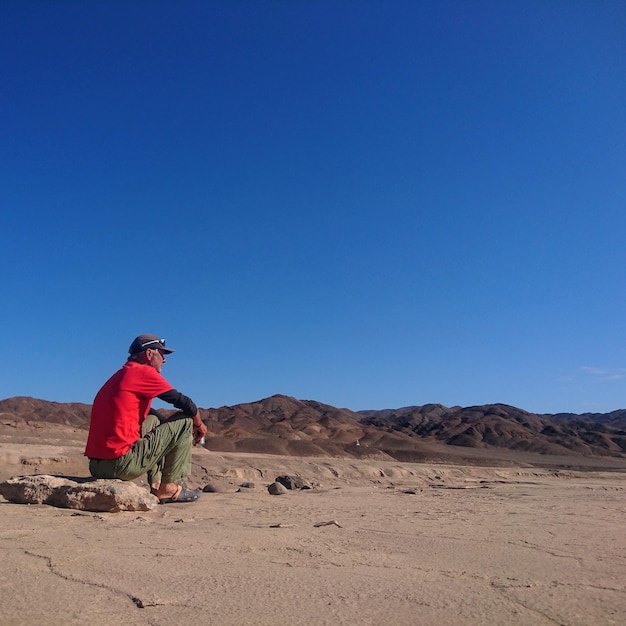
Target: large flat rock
x=78, y=493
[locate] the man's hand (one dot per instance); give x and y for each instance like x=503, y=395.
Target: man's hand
x=199, y=429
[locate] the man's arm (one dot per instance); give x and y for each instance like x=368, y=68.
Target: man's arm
x=180, y=401
x=188, y=407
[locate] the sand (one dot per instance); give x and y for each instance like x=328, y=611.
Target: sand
x=408, y=544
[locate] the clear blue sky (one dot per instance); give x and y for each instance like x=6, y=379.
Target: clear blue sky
x=371, y=204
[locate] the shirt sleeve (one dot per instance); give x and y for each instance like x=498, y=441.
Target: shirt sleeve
x=180, y=401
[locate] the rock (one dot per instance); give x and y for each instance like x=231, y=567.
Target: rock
x=292, y=482
x=247, y=485
x=85, y=495
x=277, y=489
x=218, y=487
x=332, y=522
x=31, y=489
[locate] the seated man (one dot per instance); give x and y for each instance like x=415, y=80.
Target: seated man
x=116, y=445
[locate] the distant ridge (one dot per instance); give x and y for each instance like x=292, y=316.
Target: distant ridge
x=504, y=426
x=284, y=425
x=30, y=409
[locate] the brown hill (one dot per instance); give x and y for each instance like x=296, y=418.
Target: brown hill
x=283, y=425
x=615, y=419
x=33, y=410
x=503, y=426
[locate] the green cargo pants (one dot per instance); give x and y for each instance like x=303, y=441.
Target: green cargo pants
x=163, y=452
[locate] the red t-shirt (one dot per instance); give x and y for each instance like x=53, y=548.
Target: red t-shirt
x=120, y=408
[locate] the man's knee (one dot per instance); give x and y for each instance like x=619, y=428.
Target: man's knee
x=159, y=414
x=179, y=415
x=150, y=423
x=179, y=429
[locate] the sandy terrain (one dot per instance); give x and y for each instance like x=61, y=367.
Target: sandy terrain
x=412, y=544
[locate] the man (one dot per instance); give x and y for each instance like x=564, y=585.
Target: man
x=122, y=444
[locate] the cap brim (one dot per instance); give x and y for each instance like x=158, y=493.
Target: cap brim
x=166, y=350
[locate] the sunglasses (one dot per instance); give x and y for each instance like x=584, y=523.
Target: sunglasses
x=147, y=344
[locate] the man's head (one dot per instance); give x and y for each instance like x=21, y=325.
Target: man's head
x=150, y=350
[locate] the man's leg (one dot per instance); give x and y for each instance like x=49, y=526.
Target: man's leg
x=152, y=420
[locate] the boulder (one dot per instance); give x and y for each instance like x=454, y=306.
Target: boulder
x=292, y=482
x=31, y=489
x=277, y=489
x=85, y=495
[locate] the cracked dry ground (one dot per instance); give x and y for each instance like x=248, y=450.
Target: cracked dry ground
x=547, y=550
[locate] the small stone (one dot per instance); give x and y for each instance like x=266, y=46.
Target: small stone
x=332, y=522
x=277, y=489
x=217, y=487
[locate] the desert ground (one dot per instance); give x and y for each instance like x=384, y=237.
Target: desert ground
x=372, y=542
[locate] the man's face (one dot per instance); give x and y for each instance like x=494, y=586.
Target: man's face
x=155, y=358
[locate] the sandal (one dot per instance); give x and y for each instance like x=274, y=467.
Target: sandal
x=184, y=495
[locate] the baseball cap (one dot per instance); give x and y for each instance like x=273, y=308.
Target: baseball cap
x=143, y=342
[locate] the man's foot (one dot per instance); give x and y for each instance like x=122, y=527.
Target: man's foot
x=165, y=490
x=180, y=495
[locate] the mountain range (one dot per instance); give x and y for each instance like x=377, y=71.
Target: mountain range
x=284, y=425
